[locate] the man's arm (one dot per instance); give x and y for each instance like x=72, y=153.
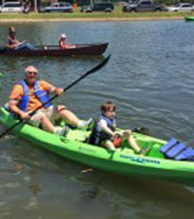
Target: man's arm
x=105, y=128
x=51, y=89
x=15, y=109
x=15, y=97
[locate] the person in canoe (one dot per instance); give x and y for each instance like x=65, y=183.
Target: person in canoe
x=104, y=132
x=63, y=44
x=31, y=93
x=14, y=43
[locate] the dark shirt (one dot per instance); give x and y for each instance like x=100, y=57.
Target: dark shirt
x=12, y=40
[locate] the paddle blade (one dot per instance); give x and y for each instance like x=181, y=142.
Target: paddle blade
x=99, y=66
x=96, y=68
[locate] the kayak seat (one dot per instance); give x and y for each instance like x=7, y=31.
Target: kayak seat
x=178, y=148
x=187, y=154
x=77, y=135
x=171, y=143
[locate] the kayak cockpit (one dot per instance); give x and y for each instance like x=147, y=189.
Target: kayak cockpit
x=142, y=141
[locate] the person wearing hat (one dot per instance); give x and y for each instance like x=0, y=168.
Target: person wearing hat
x=63, y=44
x=31, y=93
x=14, y=43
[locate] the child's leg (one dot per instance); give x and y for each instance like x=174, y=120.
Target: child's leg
x=131, y=140
x=109, y=145
x=133, y=144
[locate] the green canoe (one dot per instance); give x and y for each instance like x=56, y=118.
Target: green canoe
x=187, y=18
x=122, y=161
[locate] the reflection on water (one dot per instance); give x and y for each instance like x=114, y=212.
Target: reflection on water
x=149, y=77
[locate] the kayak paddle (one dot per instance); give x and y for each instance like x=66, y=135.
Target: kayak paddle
x=96, y=68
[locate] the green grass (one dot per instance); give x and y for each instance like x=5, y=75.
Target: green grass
x=116, y=14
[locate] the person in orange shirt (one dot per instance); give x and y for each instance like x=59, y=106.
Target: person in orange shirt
x=31, y=93
x=63, y=44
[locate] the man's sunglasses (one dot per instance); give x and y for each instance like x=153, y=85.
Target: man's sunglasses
x=31, y=73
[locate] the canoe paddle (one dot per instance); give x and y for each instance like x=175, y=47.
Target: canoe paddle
x=96, y=68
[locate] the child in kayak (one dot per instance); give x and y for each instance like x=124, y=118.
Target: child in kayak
x=104, y=133
x=63, y=44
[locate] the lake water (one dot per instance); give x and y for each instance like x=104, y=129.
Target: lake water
x=149, y=76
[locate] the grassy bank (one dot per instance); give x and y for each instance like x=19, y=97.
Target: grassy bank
x=117, y=14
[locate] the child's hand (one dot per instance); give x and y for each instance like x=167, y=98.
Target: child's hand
x=128, y=131
x=118, y=133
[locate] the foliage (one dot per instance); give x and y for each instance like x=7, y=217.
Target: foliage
x=45, y=3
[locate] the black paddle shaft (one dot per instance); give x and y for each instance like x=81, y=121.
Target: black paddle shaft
x=96, y=68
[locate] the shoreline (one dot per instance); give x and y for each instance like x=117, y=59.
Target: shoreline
x=89, y=19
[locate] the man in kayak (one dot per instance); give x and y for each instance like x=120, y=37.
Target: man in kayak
x=14, y=43
x=104, y=133
x=63, y=44
x=31, y=93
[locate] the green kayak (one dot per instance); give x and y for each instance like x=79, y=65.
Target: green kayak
x=187, y=18
x=122, y=161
